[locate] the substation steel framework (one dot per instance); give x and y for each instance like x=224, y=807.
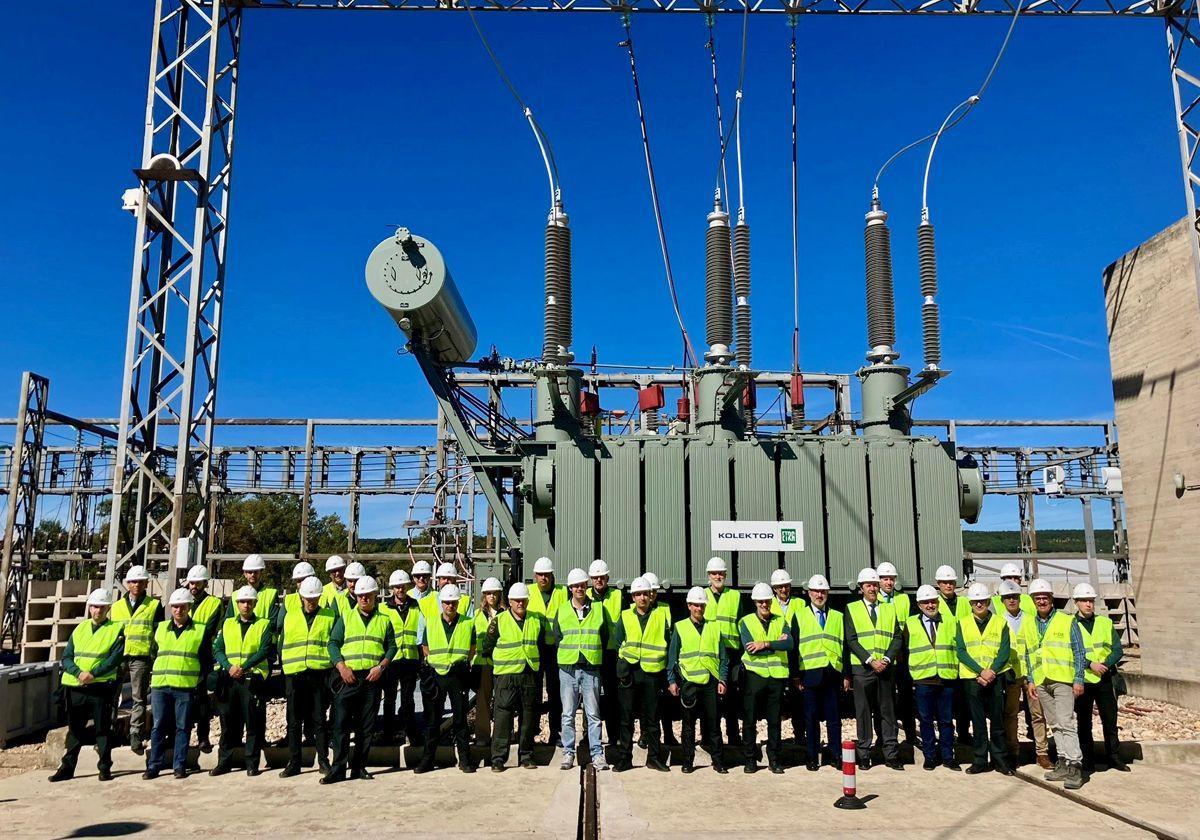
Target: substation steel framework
x=178, y=279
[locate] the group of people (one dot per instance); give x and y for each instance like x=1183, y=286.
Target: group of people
x=967, y=663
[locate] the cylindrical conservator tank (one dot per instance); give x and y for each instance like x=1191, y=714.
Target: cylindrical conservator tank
x=409, y=278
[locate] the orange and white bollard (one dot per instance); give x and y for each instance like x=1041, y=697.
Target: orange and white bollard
x=849, y=799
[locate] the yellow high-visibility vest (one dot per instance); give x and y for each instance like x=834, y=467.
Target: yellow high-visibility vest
x=90, y=644
x=306, y=645
x=138, y=624
x=177, y=663
x=647, y=649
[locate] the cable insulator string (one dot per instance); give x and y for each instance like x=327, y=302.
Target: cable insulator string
x=712, y=54
x=737, y=107
x=795, y=215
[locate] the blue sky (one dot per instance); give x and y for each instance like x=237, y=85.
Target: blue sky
x=349, y=123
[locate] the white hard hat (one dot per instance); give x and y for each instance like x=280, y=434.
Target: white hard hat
x=779, y=577
x=447, y=570
x=946, y=573
x=1040, y=586
x=925, y=592
x=137, y=573
x=887, y=570
x=246, y=593
x=598, y=569
x=518, y=592
x=365, y=585
x=696, y=596
x=181, y=597
x=399, y=578
x=197, y=574
x=868, y=575
x=543, y=566
x=640, y=584
x=716, y=564
x=449, y=594
x=253, y=563
x=576, y=576
x=492, y=585
x=652, y=580
x=761, y=592
x=1010, y=570
x=356, y=570
x=421, y=568
x=334, y=563
x=1083, y=591
x=978, y=592
x=1007, y=587
x=303, y=570
x=818, y=582
x=100, y=598
x=310, y=587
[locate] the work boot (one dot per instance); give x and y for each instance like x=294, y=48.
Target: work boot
x=138, y=747
x=219, y=770
x=363, y=774
x=528, y=764
x=105, y=776
x=776, y=768
x=289, y=771
x=466, y=767
x=930, y=763
x=813, y=765
x=62, y=774
x=150, y=774
x=425, y=766
x=1118, y=764
x=1073, y=780
x=1044, y=762
x=323, y=766
x=206, y=746
x=657, y=764
x=1058, y=773
x=253, y=771
x=621, y=766
x=978, y=768
x=498, y=767
x=181, y=774
x=568, y=762
x=689, y=768
x=720, y=768
x=332, y=779
x=894, y=764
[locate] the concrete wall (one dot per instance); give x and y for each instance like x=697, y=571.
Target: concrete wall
x=1154, y=345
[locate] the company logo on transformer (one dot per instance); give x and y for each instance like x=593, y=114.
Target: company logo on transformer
x=750, y=535
x=757, y=536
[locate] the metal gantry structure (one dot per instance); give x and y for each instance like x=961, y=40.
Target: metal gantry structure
x=164, y=436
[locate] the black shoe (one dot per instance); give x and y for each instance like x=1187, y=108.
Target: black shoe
x=864, y=765
x=206, y=746
x=150, y=774
x=930, y=764
x=62, y=775
x=363, y=775
x=619, y=767
x=105, y=776
x=657, y=764
x=951, y=765
x=720, y=768
x=687, y=768
x=1118, y=765
x=750, y=768
x=466, y=767
x=529, y=764
x=813, y=765
x=289, y=771
x=219, y=770
x=332, y=779
x=181, y=774
x=324, y=767
x=253, y=771
x=138, y=748
x=894, y=764
x=975, y=769
x=1005, y=770
x=423, y=767
x=777, y=769
x=497, y=768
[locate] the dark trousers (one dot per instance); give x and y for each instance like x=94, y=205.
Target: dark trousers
x=243, y=709
x=439, y=688
x=820, y=702
x=669, y=711
x=548, y=682
x=987, y=710
x=610, y=705
x=1104, y=697
x=95, y=702
x=935, y=710
x=731, y=704
x=171, y=709
x=762, y=698
x=874, y=697
x=354, y=707
x=962, y=712
x=905, y=706
x=400, y=679
x=640, y=697
x=307, y=706
x=699, y=702
x=202, y=711
x=514, y=695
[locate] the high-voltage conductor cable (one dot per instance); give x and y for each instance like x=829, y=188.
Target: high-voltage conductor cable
x=797, y=385
x=688, y=351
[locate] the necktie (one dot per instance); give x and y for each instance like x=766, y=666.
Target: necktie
x=821, y=618
x=872, y=609
x=929, y=630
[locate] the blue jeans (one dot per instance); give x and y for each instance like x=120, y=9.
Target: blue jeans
x=935, y=706
x=580, y=685
x=171, y=709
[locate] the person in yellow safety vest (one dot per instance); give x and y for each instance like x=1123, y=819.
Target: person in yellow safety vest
x=421, y=574
x=641, y=638
x=207, y=610
x=347, y=602
x=789, y=608
x=511, y=641
x=1011, y=598
x=335, y=567
x=303, y=634
x=698, y=673
x=612, y=601
x=267, y=605
x=400, y=681
x=668, y=706
x=1011, y=572
x=481, y=664
x=182, y=654
x=769, y=646
x=300, y=572
x=889, y=593
x=431, y=608
x=984, y=646
x=873, y=640
x=952, y=606
x=725, y=607
x=89, y=679
x=362, y=644
x=545, y=597
x=448, y=644
x=1055, y=661
x=820, y=645
x=931, y=652
x=243, y=649
x=580, y=633
x=137, y=614
x=1102, y=645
